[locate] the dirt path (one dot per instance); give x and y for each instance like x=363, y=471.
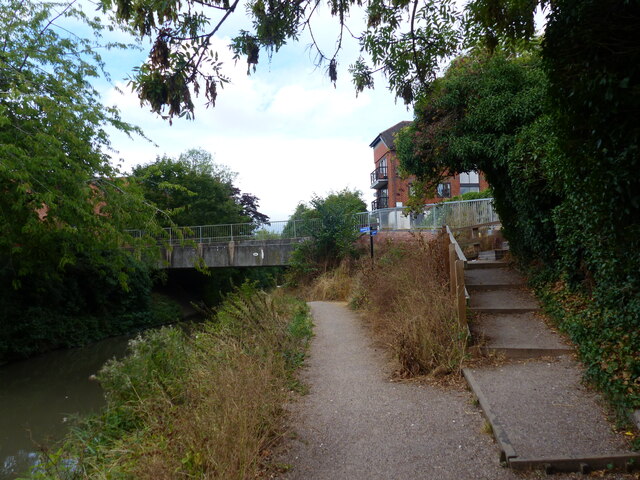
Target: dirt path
x=357, y=424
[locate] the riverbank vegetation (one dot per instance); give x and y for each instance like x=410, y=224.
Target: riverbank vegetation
x=207, y=403
x=64, y=277
x=72, y=271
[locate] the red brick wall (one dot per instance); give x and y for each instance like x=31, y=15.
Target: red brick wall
x=399, y=189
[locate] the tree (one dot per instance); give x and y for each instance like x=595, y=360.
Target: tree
x=335, y=237
x=404, y=39
x=490, y=113
x=64, y=276
x=194, y=190
x=61, y=198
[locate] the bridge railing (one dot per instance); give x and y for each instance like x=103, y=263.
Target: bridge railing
x=432, y=217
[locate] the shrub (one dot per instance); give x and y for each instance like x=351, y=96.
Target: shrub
x=406, y=297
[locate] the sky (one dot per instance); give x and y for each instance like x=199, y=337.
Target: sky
x=286, y=130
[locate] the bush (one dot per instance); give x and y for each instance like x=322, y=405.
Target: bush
x=405, y=294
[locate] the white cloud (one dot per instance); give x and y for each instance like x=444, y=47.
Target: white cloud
x=286, y=130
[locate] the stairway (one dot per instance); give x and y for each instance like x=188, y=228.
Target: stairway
x=506, y=315
x=541, y=415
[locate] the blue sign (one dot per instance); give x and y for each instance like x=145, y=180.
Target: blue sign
x=364, y=229
x=374, y=232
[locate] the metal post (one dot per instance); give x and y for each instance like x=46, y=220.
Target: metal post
x=371, y=241
x=295, y=235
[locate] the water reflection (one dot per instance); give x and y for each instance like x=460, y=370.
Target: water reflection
x=39, y=395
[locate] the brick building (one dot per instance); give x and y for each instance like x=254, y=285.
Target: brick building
x=390, y=190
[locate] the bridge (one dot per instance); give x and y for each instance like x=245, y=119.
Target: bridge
x=251, y=245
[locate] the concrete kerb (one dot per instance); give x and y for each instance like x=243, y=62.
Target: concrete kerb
x=485, y=264
x=496, y=286
x=507, y=451
x=513, y=353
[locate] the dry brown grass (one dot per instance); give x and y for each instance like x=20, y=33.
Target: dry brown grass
x=335, y=284
x=406, y=295
x=222, y=427
x=208, y=405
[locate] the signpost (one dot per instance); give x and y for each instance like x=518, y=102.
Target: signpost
x=371, y=229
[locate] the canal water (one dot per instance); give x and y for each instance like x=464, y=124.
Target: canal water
x=39, y=395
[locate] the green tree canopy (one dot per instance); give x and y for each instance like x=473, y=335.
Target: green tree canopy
x=404, y=39
x=194, y=190
x=65, y=277
x=331, y=224
x=490, y=113
x=61, y=198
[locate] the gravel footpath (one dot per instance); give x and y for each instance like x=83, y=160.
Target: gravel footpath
x=357, y=424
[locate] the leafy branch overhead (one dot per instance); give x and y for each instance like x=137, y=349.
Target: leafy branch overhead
x=405, y=40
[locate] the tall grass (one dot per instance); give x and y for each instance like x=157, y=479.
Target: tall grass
x=204, y=405
x=405, y=294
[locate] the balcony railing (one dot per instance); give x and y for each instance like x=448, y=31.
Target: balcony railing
x=380, y=202
x=379, y=177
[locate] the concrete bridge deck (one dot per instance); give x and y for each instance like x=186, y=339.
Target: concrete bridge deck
x=241, y=253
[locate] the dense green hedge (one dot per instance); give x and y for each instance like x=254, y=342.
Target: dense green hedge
x=556, y=132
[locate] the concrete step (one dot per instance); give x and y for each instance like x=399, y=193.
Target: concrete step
x=486, y=278
x=504, y=300
x=518, y=336
x=473, y=264
x=544, y=418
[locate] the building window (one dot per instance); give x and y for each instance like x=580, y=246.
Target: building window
x=469, y=182
x=443, y=190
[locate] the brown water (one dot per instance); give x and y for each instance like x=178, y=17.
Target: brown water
x=39, y=395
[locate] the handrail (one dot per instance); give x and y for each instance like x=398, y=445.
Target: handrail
x=457, y=261
x=460, y=254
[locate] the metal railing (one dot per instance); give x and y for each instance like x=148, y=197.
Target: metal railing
x=432, y=217
x=379, y=176
x=380, y=202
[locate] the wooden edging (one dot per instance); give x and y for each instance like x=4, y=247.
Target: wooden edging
x=507, y=452
x=625, y=462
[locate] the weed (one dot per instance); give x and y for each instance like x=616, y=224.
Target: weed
x=406, y=296
x=200, y=406
x=487, y=428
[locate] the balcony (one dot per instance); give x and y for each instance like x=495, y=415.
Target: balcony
x=380, y=202
x=379, y=177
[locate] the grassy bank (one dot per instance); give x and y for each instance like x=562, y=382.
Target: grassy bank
x=405, y=296
x=202, y=405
